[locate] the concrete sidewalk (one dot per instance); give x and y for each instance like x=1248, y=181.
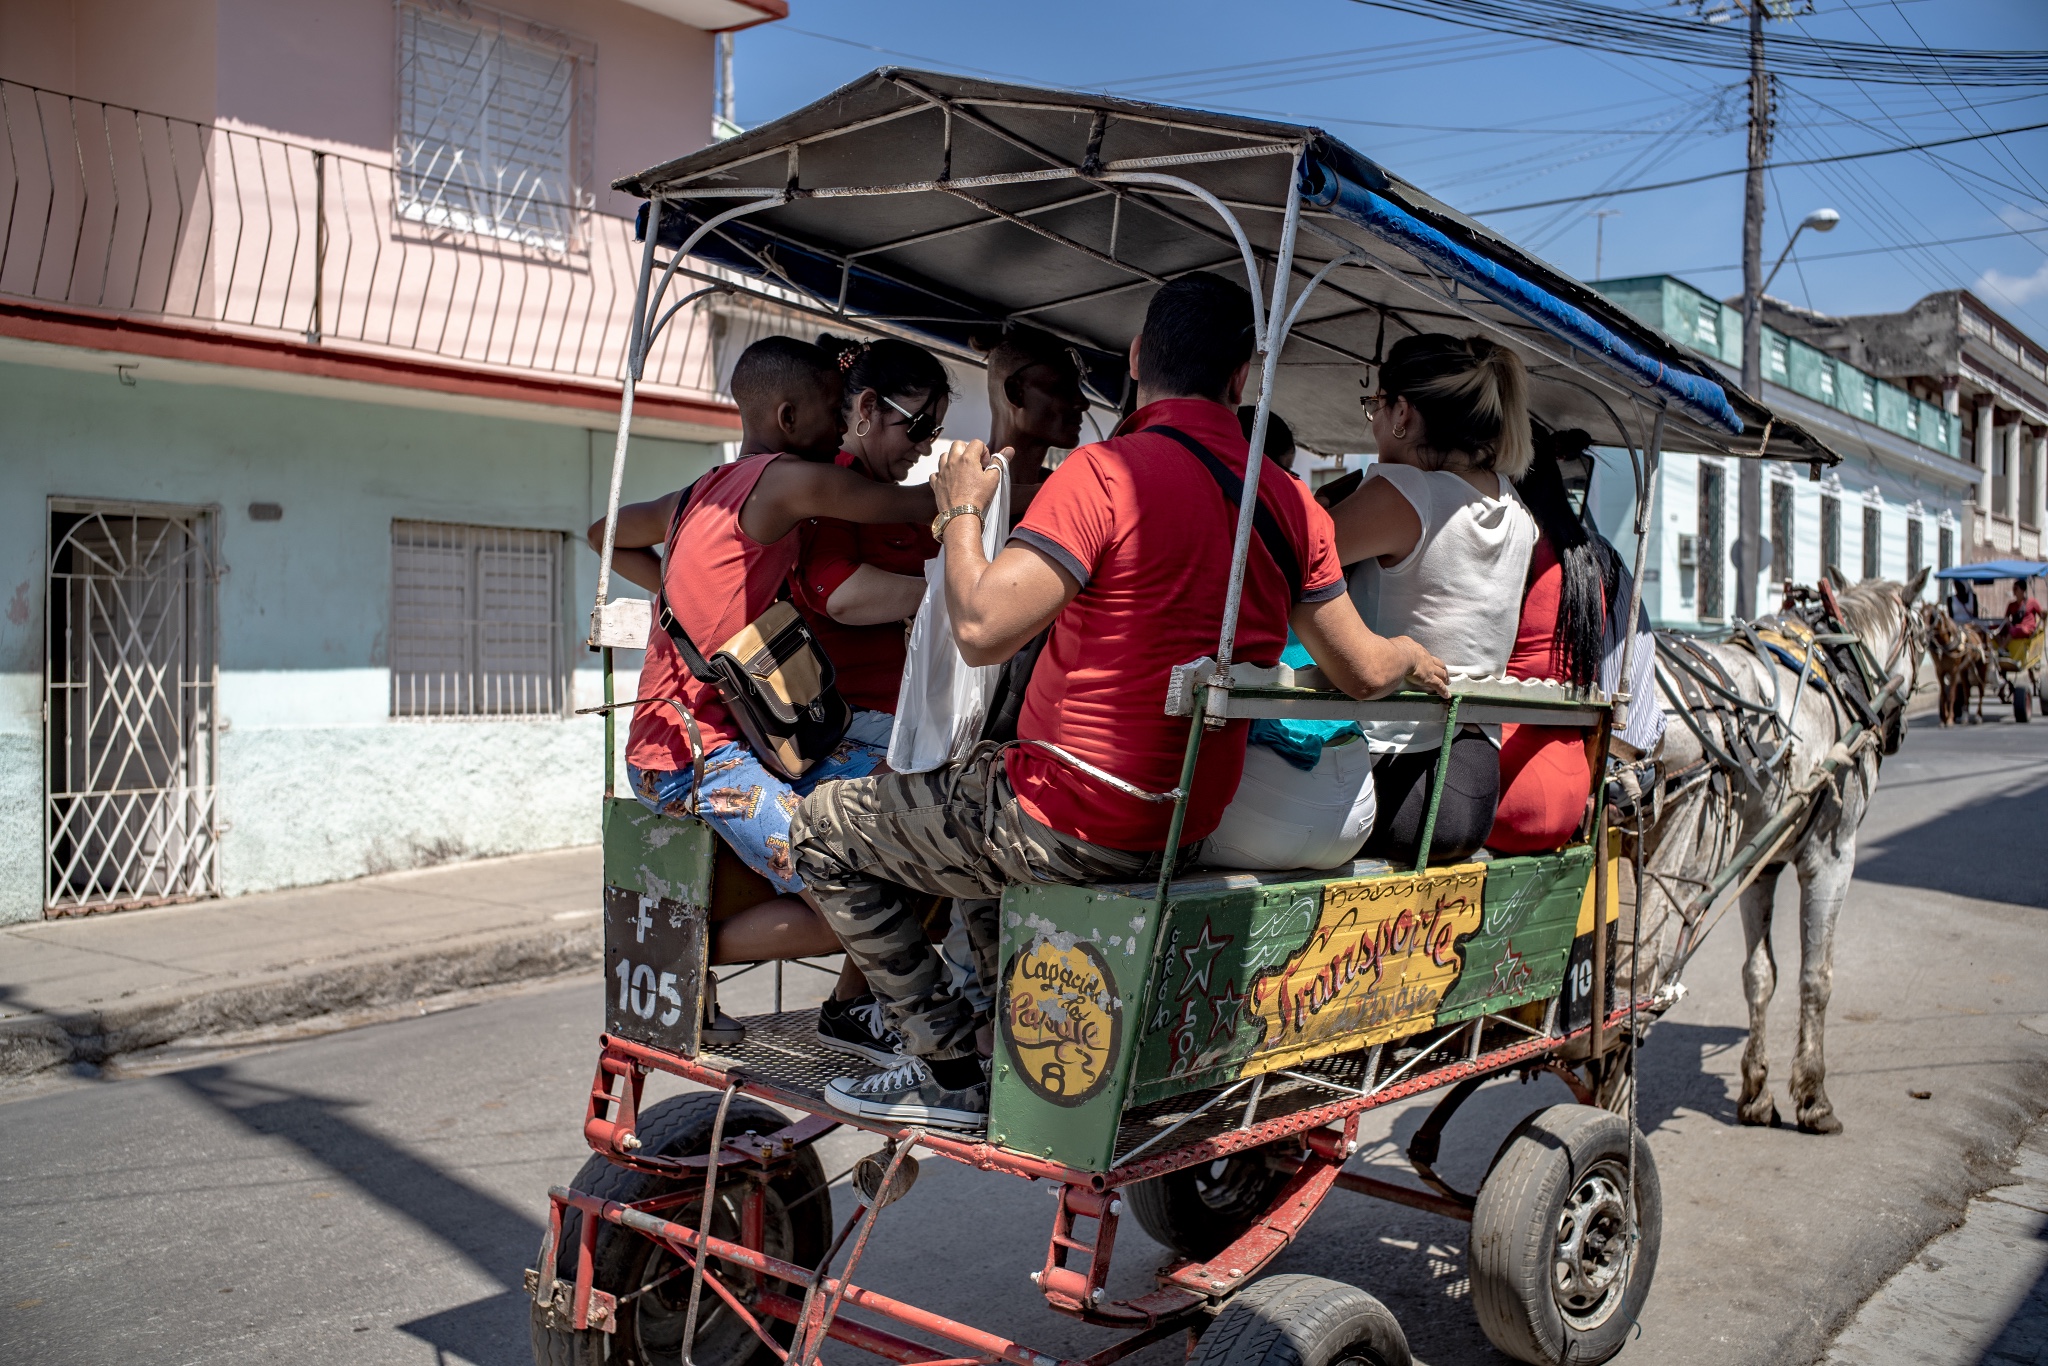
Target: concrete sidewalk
x=85, y=990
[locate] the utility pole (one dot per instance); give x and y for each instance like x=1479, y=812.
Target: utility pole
x=1600, y=217
x=1749, y=485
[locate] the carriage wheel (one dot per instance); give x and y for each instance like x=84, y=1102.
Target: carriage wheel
x=1303, y=1321
x=1560, y=1265
x=649, y=1331
x=1198, y=1211
x=2022, y=703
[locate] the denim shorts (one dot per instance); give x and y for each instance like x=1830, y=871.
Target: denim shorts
x=747, y=805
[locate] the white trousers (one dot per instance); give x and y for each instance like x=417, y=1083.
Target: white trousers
x=1283, y=817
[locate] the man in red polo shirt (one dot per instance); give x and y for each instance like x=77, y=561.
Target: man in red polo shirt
x=1124, y=552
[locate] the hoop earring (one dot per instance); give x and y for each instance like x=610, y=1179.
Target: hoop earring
x=862, y=429
x=1400, y=433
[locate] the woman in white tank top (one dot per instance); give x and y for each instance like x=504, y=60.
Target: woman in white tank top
x=1442, y=544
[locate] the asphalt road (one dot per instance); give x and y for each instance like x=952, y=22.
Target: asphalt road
x=373, y=1195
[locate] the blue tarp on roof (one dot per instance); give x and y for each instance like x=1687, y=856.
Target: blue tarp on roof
x=1993, y=571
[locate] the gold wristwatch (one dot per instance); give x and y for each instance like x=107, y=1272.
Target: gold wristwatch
x=959, y=510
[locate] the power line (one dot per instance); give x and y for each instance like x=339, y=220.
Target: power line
x=1576, y=23
x=1872, y=251
x=1769, y=166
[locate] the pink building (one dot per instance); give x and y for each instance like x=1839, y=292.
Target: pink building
x=310, y=314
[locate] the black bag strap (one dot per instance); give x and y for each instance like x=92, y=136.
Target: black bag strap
x=1263, y=521
x=693, y=658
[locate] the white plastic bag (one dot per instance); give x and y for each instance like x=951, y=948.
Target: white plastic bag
x=944, y=699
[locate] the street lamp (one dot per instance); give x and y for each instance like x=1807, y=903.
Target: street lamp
x=1820, y=220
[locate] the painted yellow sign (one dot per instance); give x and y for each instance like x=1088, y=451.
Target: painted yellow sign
x=1061, y=1018
x=1377, y=964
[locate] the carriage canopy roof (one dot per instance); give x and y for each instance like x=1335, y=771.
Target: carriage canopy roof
x=942, y=207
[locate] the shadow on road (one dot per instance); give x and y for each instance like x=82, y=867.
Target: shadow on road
x=2026, y=1331
x=1675, y=1075
x=490, y=1235
x=1966, y=851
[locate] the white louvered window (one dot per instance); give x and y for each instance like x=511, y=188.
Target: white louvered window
x=476, y=621
x=489, y=115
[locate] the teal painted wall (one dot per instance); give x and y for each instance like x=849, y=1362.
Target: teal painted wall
x=318, y=781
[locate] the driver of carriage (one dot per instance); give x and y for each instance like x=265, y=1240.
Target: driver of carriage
x=1120, y=555
x=732, y=542
x=1441, y=542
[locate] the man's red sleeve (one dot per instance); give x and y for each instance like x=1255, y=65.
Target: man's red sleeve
x=1073, y=517
x=1322, y=576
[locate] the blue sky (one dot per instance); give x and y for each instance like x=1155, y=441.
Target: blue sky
x=1487, y=121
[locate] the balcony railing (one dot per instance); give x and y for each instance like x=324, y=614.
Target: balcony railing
x=108, y=208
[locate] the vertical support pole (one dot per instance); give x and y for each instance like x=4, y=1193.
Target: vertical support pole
x=778, y=986
x=611, y=507
x=611, y=729
x=1275, y=338
x=1600, y=993
x=1187, y=787
x=1436, y=784
x=319, y=327
x=1646, y=497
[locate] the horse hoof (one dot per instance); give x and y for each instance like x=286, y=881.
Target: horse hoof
x=1763, y=1116
x=1820, y=1124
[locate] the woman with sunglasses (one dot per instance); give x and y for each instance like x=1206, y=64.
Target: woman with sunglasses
x=857, y=584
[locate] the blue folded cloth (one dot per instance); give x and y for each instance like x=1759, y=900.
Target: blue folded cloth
x=1299, y=742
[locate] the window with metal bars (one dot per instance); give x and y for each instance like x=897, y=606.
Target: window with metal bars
x=1945, y=547
x=1830, y=533
x=1916, y=547
x=1873, y=541
x=492, y=124
x=1713, y=548
x=1781, y=531
x=476, y=621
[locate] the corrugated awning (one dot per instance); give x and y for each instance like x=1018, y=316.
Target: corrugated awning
x=942, y=207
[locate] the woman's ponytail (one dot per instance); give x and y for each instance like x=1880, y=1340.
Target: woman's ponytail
x=1472, y=393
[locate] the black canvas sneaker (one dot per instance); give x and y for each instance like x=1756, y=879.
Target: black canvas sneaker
x=859, y=1027
x=908, y=1093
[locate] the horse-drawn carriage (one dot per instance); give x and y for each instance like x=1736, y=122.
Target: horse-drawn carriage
x=1196, y=1051
x=2014, y=654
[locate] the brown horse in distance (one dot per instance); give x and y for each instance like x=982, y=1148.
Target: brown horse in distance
x=1962, y=661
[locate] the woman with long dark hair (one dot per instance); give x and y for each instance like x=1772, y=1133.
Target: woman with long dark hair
x=1545, y=771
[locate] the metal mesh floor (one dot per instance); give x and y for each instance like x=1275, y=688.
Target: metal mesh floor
x=782, y=1053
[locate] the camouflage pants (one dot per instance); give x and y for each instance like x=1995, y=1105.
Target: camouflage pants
x=864, y=845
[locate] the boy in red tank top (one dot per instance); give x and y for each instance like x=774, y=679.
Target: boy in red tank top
x=734, y=544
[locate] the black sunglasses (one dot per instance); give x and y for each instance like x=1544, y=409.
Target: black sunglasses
x=921, y=425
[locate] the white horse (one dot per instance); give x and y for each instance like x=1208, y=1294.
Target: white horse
x=1709, y=812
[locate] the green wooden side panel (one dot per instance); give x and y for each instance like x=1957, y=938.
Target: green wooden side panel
x=1518, y=955
x=1074, y=965
x=657, y=856
x=1201, y=1023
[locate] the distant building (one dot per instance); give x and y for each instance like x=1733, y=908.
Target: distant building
x=1899, y=501
x=1953, y=350
x=312, y=325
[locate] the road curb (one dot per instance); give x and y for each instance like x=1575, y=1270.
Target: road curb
x=37, y=1042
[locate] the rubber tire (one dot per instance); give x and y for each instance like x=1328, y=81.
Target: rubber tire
x=1199, y=1211
x=1514, y=1235
x=677, y=1127
x=1303, y=1321
x=2022, y=704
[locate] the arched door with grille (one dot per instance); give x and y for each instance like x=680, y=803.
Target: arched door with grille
x=131, y=729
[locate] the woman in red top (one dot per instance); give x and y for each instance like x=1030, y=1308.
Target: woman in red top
x=1545, y=771
x=856, y=584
